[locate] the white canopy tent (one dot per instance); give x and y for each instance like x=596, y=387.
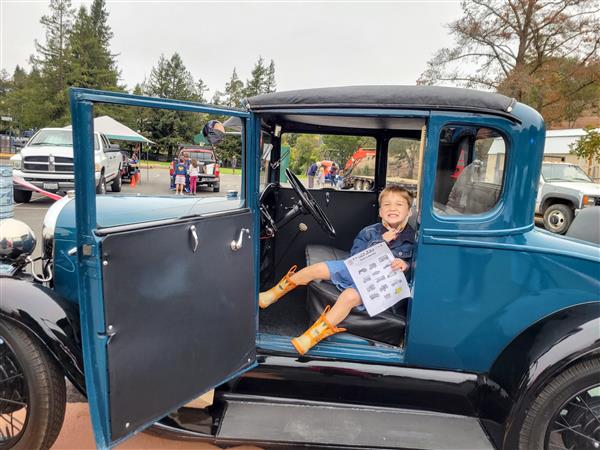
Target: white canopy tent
x=116, y=131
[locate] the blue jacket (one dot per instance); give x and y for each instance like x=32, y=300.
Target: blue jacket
x=401, y=247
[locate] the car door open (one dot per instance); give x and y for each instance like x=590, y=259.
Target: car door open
x=167, y=304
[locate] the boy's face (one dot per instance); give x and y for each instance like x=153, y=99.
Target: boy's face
x=394, y=209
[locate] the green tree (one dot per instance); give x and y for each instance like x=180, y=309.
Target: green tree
x=340, y=148
x=201, y=89
x=171, y=79
x=52, y=60
x=270, y=84
x=234, y=91
x=588, y=146
x=304, y=152
x=258, y=80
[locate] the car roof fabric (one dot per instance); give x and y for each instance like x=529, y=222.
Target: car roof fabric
x=406, y=97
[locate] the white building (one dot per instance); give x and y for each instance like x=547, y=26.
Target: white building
x=557, y=148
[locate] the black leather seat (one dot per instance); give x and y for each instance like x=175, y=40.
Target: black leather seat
x=387, y=327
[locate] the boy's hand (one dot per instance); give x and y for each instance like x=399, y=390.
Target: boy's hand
x=390, y=235
x=398, y=264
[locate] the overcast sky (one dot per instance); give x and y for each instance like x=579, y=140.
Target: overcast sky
x=313, y=44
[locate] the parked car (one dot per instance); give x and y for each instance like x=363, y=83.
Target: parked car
x=47, y=162
x=209, y=165
x=499, y=346
x=564, y=190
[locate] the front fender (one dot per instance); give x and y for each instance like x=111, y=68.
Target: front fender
x=48, y=317
x=530, y=361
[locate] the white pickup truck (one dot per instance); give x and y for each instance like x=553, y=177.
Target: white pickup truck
x=47, y=162
x=564, y=190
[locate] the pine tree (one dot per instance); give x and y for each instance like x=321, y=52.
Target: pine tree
x=234, y=91
x=256, y=84
x=99, y=19
x=52, y=58
x=201, y=89
x=270, y=84
x=170, y=79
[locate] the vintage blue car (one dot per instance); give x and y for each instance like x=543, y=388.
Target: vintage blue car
x=499, y=346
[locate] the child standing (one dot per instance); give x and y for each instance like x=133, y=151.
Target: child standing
x=394, y=209
x=194, y=172
x=180, y=175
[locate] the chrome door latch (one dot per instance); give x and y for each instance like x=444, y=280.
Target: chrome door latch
x=194, y=238
x=236, y=245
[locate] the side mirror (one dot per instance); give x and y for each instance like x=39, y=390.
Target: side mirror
x=113, y=148
x=214, y=132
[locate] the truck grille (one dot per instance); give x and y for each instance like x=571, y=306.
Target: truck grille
x=53, y=164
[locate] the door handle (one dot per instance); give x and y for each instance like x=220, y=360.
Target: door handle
x=236, y=245
x=194, y=238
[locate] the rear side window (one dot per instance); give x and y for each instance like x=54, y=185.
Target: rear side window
x=470, y=170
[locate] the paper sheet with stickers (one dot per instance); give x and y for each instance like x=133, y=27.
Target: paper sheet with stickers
x=378, y=285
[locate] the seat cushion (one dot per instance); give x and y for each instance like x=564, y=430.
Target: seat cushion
x=387, y=327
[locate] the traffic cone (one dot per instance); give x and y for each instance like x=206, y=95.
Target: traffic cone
x=133, y=180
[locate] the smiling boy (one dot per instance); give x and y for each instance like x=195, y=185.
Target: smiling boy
x=394, y=210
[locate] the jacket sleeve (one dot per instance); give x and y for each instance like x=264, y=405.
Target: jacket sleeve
x=365, y=239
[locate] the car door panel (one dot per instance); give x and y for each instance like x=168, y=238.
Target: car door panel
x=165, y=302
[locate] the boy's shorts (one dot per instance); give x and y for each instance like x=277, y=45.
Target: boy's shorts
x=341, y=278
x=180, y=179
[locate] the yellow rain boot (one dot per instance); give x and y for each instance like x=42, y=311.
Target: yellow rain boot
x=315, y=334
x=284, y=286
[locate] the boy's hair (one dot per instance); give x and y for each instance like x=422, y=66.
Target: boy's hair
x=194, y=163
x=406, y=194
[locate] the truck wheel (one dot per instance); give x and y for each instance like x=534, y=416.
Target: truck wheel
x=558, y=218
x=117, y=183
x=101, y=188
x=566, y=414
x=22, y=196
x=32, y=392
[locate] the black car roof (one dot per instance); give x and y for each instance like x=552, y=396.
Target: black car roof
x=405, y=97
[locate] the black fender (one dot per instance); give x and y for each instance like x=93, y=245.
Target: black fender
x=49, y=318
x=532, y=360
x=546, y=200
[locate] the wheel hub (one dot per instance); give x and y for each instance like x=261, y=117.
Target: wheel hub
x=579, y=423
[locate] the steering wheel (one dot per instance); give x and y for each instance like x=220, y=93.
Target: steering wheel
x=309, y=204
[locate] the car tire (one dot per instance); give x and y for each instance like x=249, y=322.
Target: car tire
x=43, y=385
x=216, y=187
x=565, y=403
x=558, y=218
x=117, y=183
x=22, y=196
x=101, y=188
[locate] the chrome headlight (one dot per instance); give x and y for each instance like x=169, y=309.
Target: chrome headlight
x=17, y=162
x=16, y=239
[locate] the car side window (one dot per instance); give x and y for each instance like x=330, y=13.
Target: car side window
x=403, y=163
x=470, y=170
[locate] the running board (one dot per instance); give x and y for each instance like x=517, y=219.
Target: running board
x=351, y=426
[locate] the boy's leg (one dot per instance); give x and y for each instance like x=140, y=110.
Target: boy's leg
x=318, y=271
x=289, y=282
x=326, y=325
x=347, y=300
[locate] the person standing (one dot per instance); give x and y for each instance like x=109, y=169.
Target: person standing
x=180, y=177
x=311, y=172
x=194, y=172
x=320, y=176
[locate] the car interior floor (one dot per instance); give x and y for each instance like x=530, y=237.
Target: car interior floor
x=287, y=317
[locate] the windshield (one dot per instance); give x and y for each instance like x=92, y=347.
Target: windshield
x=564, y=172
x=58, y=138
